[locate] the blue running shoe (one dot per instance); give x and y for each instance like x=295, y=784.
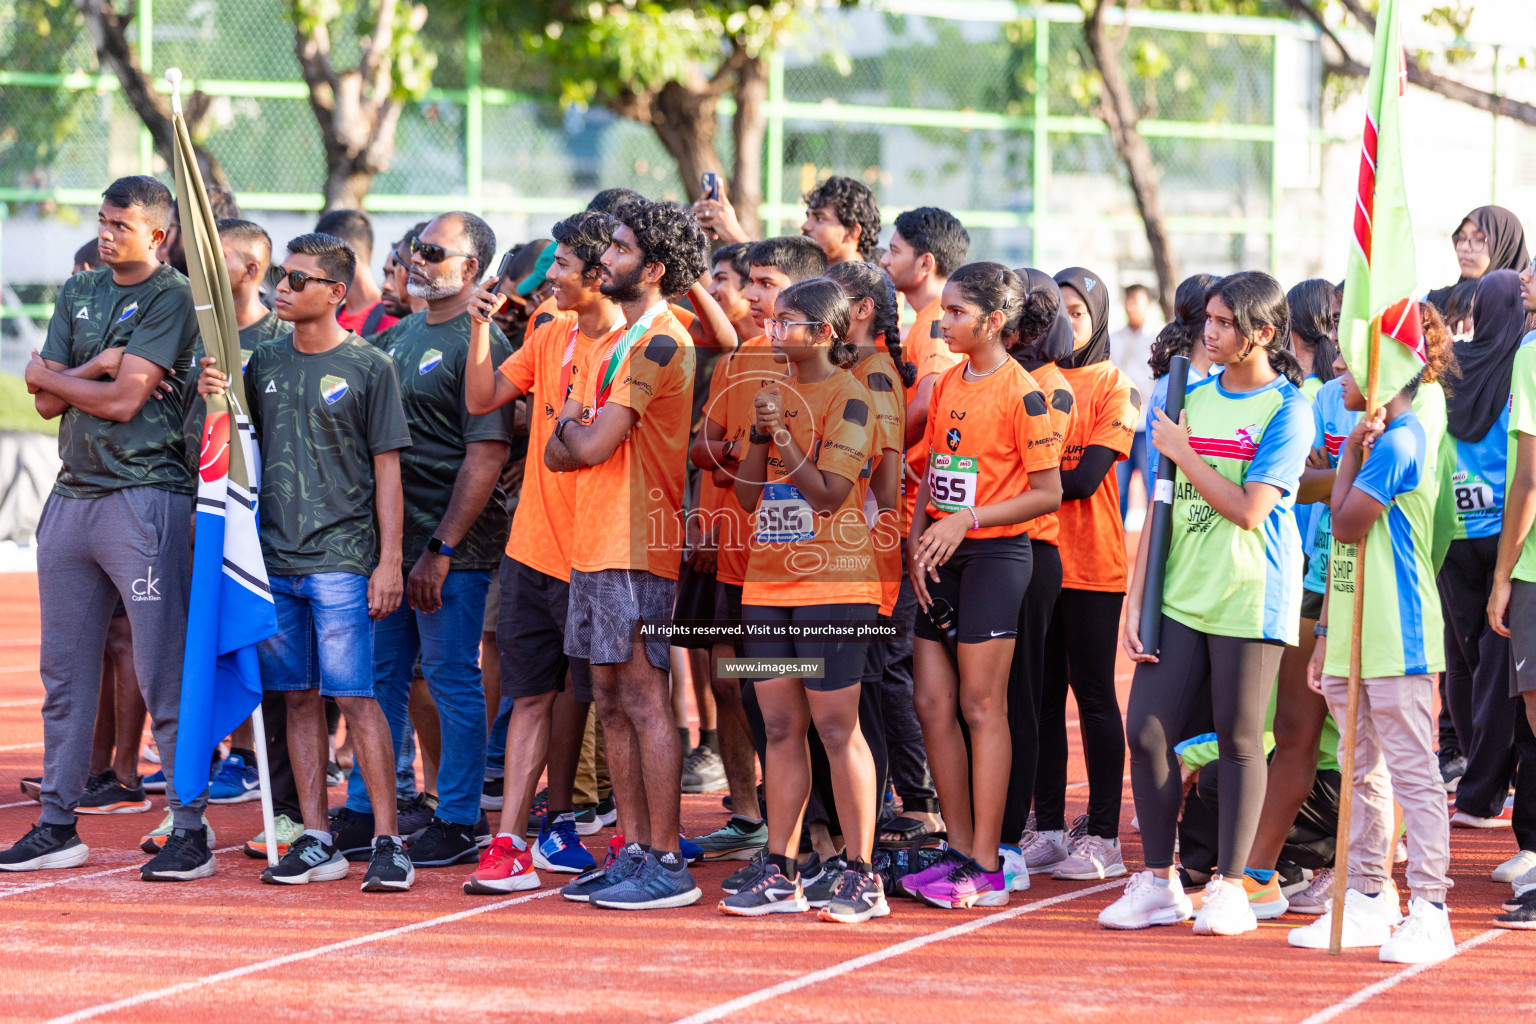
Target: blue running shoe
x=656, y=886
x=155, y=783
x=559, y=848
x=692, y=852
x=235, y=782
x=616, y=871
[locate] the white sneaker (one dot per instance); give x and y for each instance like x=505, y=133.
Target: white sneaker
x=1043, y=851
x=1520, y=864
x=1091, y=858
x=1367, y=922
x=1424, y=938
x=1400, y=852
x=1461, y=819
x=1147, y=902
x=1316, y=898
x=1225, y=910
x=1015, y=868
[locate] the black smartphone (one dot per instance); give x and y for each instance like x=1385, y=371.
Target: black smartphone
x=711, y=184
x=506, y=265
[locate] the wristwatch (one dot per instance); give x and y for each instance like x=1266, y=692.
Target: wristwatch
x=725, y=450
x=757, y=438
x=560, y=426
x=1319, y=630
x=436, y=546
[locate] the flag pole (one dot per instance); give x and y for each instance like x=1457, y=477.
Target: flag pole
x=258, y=723
x=1352, y=705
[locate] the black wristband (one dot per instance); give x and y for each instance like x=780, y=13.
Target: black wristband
x=560, y=426
x=757, y=438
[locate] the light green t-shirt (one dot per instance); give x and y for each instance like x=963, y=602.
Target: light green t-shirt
x=1522, y=420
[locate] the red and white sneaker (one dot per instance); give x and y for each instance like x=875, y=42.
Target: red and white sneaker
x=505, y=866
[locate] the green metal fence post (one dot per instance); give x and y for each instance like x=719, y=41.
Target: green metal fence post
x=474, y=124
x=774, y=150
x=146, y=20
x=1040, y=149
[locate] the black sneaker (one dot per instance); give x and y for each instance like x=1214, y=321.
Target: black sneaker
x=110, y=796
x=744, y=877
x=444, y=844
x=334, y=776
x=1451, y=770
x=1519, y=913
x=491, y=794
x=46, y=846
x=389, y=869
x=607, y=812
x=859, y=897
x=822, y=879
x=352, y=834
x=184, y=856
x=415, y=814
x=1525, y=899
x=537, y=812
x=307, y=860
x=32, y=788
x=769, y=893
x=482, y=832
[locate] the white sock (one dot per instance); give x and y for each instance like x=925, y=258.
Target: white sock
x=1163, y=881
x=324, y=837
x=517, y=841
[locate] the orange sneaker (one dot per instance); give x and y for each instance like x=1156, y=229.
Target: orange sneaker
x=505, y=866
x=1265, y=898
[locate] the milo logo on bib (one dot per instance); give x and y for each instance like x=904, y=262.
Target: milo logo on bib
x=952, y=481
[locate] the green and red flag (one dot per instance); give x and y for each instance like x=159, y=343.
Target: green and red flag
x=1381, y=279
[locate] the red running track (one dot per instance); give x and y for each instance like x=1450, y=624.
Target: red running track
x=96, y=943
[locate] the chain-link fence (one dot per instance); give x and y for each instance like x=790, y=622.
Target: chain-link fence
x=986, y=108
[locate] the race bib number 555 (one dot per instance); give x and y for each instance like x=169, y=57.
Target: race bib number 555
x=952, y=481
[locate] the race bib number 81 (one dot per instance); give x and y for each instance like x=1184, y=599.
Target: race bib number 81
x=1474, y=498
x=951, y=481
x=783, y=515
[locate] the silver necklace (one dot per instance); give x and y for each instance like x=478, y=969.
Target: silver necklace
x=979, y=376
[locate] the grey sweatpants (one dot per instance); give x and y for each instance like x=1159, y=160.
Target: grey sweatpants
x=137, y=543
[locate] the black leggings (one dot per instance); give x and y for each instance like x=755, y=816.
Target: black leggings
x=1026, y=684
x=1238, y=676
x=1080, y=651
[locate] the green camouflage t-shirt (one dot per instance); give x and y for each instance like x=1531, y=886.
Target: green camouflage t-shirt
x=154, y=320
x=320, y=420
x=260, y=332
x=431, y=360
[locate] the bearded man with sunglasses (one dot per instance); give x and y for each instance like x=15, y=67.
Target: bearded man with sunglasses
x=325, y=407
x=456, y=526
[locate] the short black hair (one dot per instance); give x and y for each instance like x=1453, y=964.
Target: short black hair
x=795, y=256
x=734, y=254
x=610, y=199
x=937, y=232
x=854, y=204
x=248, y=233
x=336, y=257
x=479, y=239
x=89, y=255
x=587, y=234
x=222, y=202
x=351, y=226
x=668, y=234
x=525, y=257
x=144, y=192
x=1133, y=289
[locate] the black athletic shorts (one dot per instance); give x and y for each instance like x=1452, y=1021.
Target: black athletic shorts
x=728, y=610
x=984, y=582
x=1311, y=602
x=843, y=658
x=695, y=603
x=878, y=655
x=530, y=635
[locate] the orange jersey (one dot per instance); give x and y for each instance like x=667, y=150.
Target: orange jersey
x=629, y=507
x=1092, y=536
x=547, y=308
x=925, y=347
x=985, y=438
x=1058, y=402
x=879, y=375
x=797, y=556
x=737, y=380
x=543, y=525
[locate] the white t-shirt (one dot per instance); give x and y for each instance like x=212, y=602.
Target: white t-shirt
x=1130, y=349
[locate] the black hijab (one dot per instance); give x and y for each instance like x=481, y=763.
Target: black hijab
x=1047, y=344
x=1487, y=361
x=1506, y=245
x=1091, y=287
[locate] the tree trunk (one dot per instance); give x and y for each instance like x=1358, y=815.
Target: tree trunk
x=110, y=37
x=1117, y=110
x=346, y=186
x=685, y=121
x=748, y=127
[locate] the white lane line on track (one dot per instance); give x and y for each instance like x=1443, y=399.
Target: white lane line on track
x=21, y=746
x=18, y=803
x=19, y=890
x=762, y=995
x=35, y=641
x=281, y=961
x=1393, y=980
x=22, y=703
x=19, y=668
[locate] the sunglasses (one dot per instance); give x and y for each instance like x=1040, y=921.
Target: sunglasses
x=434, y=253
x=297, y=279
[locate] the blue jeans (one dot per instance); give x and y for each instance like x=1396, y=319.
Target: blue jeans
x=1132, y=464
x=448, y=641
x=496, y=747
x=324, y=636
